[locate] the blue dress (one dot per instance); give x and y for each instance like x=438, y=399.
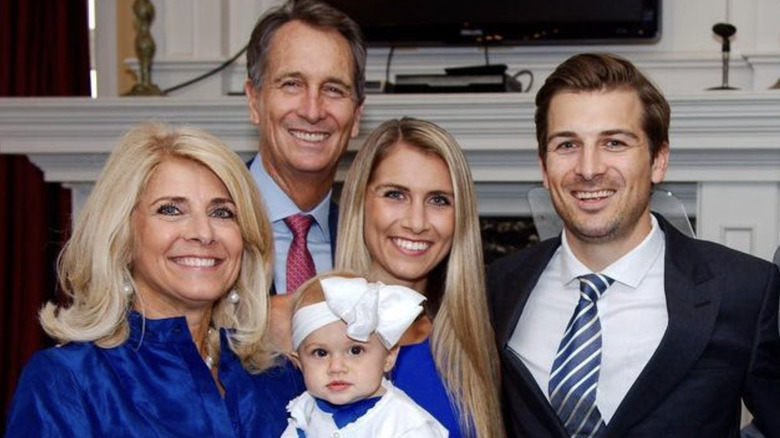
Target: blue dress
x=154, y=385
x=415, y=373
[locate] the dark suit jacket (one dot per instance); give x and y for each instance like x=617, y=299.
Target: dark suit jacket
x=721, y=344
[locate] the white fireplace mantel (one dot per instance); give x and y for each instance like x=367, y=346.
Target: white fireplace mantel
x=725, y=162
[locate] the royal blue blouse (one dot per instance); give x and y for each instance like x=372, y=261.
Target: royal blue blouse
x=415, y=373
x=156, y=384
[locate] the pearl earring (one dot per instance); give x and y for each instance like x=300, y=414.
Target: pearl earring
x=127, y=289
x=233, y=297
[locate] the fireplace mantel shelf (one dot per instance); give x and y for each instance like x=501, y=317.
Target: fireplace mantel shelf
x=725, y=162
x=723, y=136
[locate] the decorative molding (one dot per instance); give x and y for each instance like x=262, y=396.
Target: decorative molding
x=718, y=136
x=723, y=136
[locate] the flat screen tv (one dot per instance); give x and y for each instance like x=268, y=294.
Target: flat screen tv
x=504, y=22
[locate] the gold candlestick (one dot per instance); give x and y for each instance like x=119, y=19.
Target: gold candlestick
x=144, y=50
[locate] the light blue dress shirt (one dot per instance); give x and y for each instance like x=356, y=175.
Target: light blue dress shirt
x=279, y=206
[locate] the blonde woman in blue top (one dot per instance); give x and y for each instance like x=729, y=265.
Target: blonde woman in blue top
x=409, y=217
x=165, y=330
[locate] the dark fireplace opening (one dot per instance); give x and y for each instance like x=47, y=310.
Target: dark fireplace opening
x=502, y=235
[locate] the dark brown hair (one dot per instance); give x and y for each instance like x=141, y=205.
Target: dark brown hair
x=601, y=71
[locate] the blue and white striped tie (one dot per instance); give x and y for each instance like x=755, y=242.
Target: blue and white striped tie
x=575, y=372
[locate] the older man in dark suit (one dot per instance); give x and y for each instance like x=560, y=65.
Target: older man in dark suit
x=622, y=326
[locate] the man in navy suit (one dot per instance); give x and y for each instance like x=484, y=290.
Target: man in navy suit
x=684, y=330
x=305, y=90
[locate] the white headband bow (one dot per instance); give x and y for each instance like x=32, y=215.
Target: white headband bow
x=365, y=307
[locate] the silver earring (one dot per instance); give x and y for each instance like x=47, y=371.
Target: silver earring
x=233, y=297
x=127, y=289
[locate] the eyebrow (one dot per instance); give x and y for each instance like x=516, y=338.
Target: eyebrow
x=607, y=133
x=625, y=132
x=219, y=201
x=166, y=198
x=180, y=199
x=391, y=186
x=562, y=134
x=298, y=75
x=406, y=189
x=442, y=192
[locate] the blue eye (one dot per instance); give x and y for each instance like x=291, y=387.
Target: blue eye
x=441, y=200
x=393, y=194
x=223, y=213
x=168, y=210
x=566, y=146
x=615, y=145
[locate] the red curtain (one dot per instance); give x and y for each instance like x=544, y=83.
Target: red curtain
x=45, y=48
x=44, y=51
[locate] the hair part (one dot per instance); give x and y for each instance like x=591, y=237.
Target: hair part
x=462, y=340
x=313, y=13
x=589, y=72
x=95, y=265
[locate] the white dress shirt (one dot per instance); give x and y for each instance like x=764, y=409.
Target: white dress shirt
x=279, y=206
x=632, y=312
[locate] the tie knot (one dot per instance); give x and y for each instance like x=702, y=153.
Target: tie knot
x=299, y=224
x=592, y=286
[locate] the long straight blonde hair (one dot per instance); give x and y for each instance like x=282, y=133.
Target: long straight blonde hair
x=462, y=340
x=95, y=264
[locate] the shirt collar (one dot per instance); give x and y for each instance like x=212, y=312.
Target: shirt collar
x=629, y=269
x=348, y=412
x=173, y=329
x=279, y=205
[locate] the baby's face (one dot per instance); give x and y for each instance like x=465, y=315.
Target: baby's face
x=341, y=370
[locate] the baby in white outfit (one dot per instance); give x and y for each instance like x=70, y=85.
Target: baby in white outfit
x=345, y=334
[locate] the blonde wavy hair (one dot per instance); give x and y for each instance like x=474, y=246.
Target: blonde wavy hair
x=94, y=267
x=462, y=339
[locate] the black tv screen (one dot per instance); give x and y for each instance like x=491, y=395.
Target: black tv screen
x=504, y=22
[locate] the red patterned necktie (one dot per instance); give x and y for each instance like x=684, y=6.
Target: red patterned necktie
x=300, y=265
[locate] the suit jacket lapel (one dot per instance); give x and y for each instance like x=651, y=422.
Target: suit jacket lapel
x=514, y=294
x=692, y=300
x=508, y=309
x=333, y=225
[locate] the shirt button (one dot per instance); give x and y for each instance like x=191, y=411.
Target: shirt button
x=336, y=435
